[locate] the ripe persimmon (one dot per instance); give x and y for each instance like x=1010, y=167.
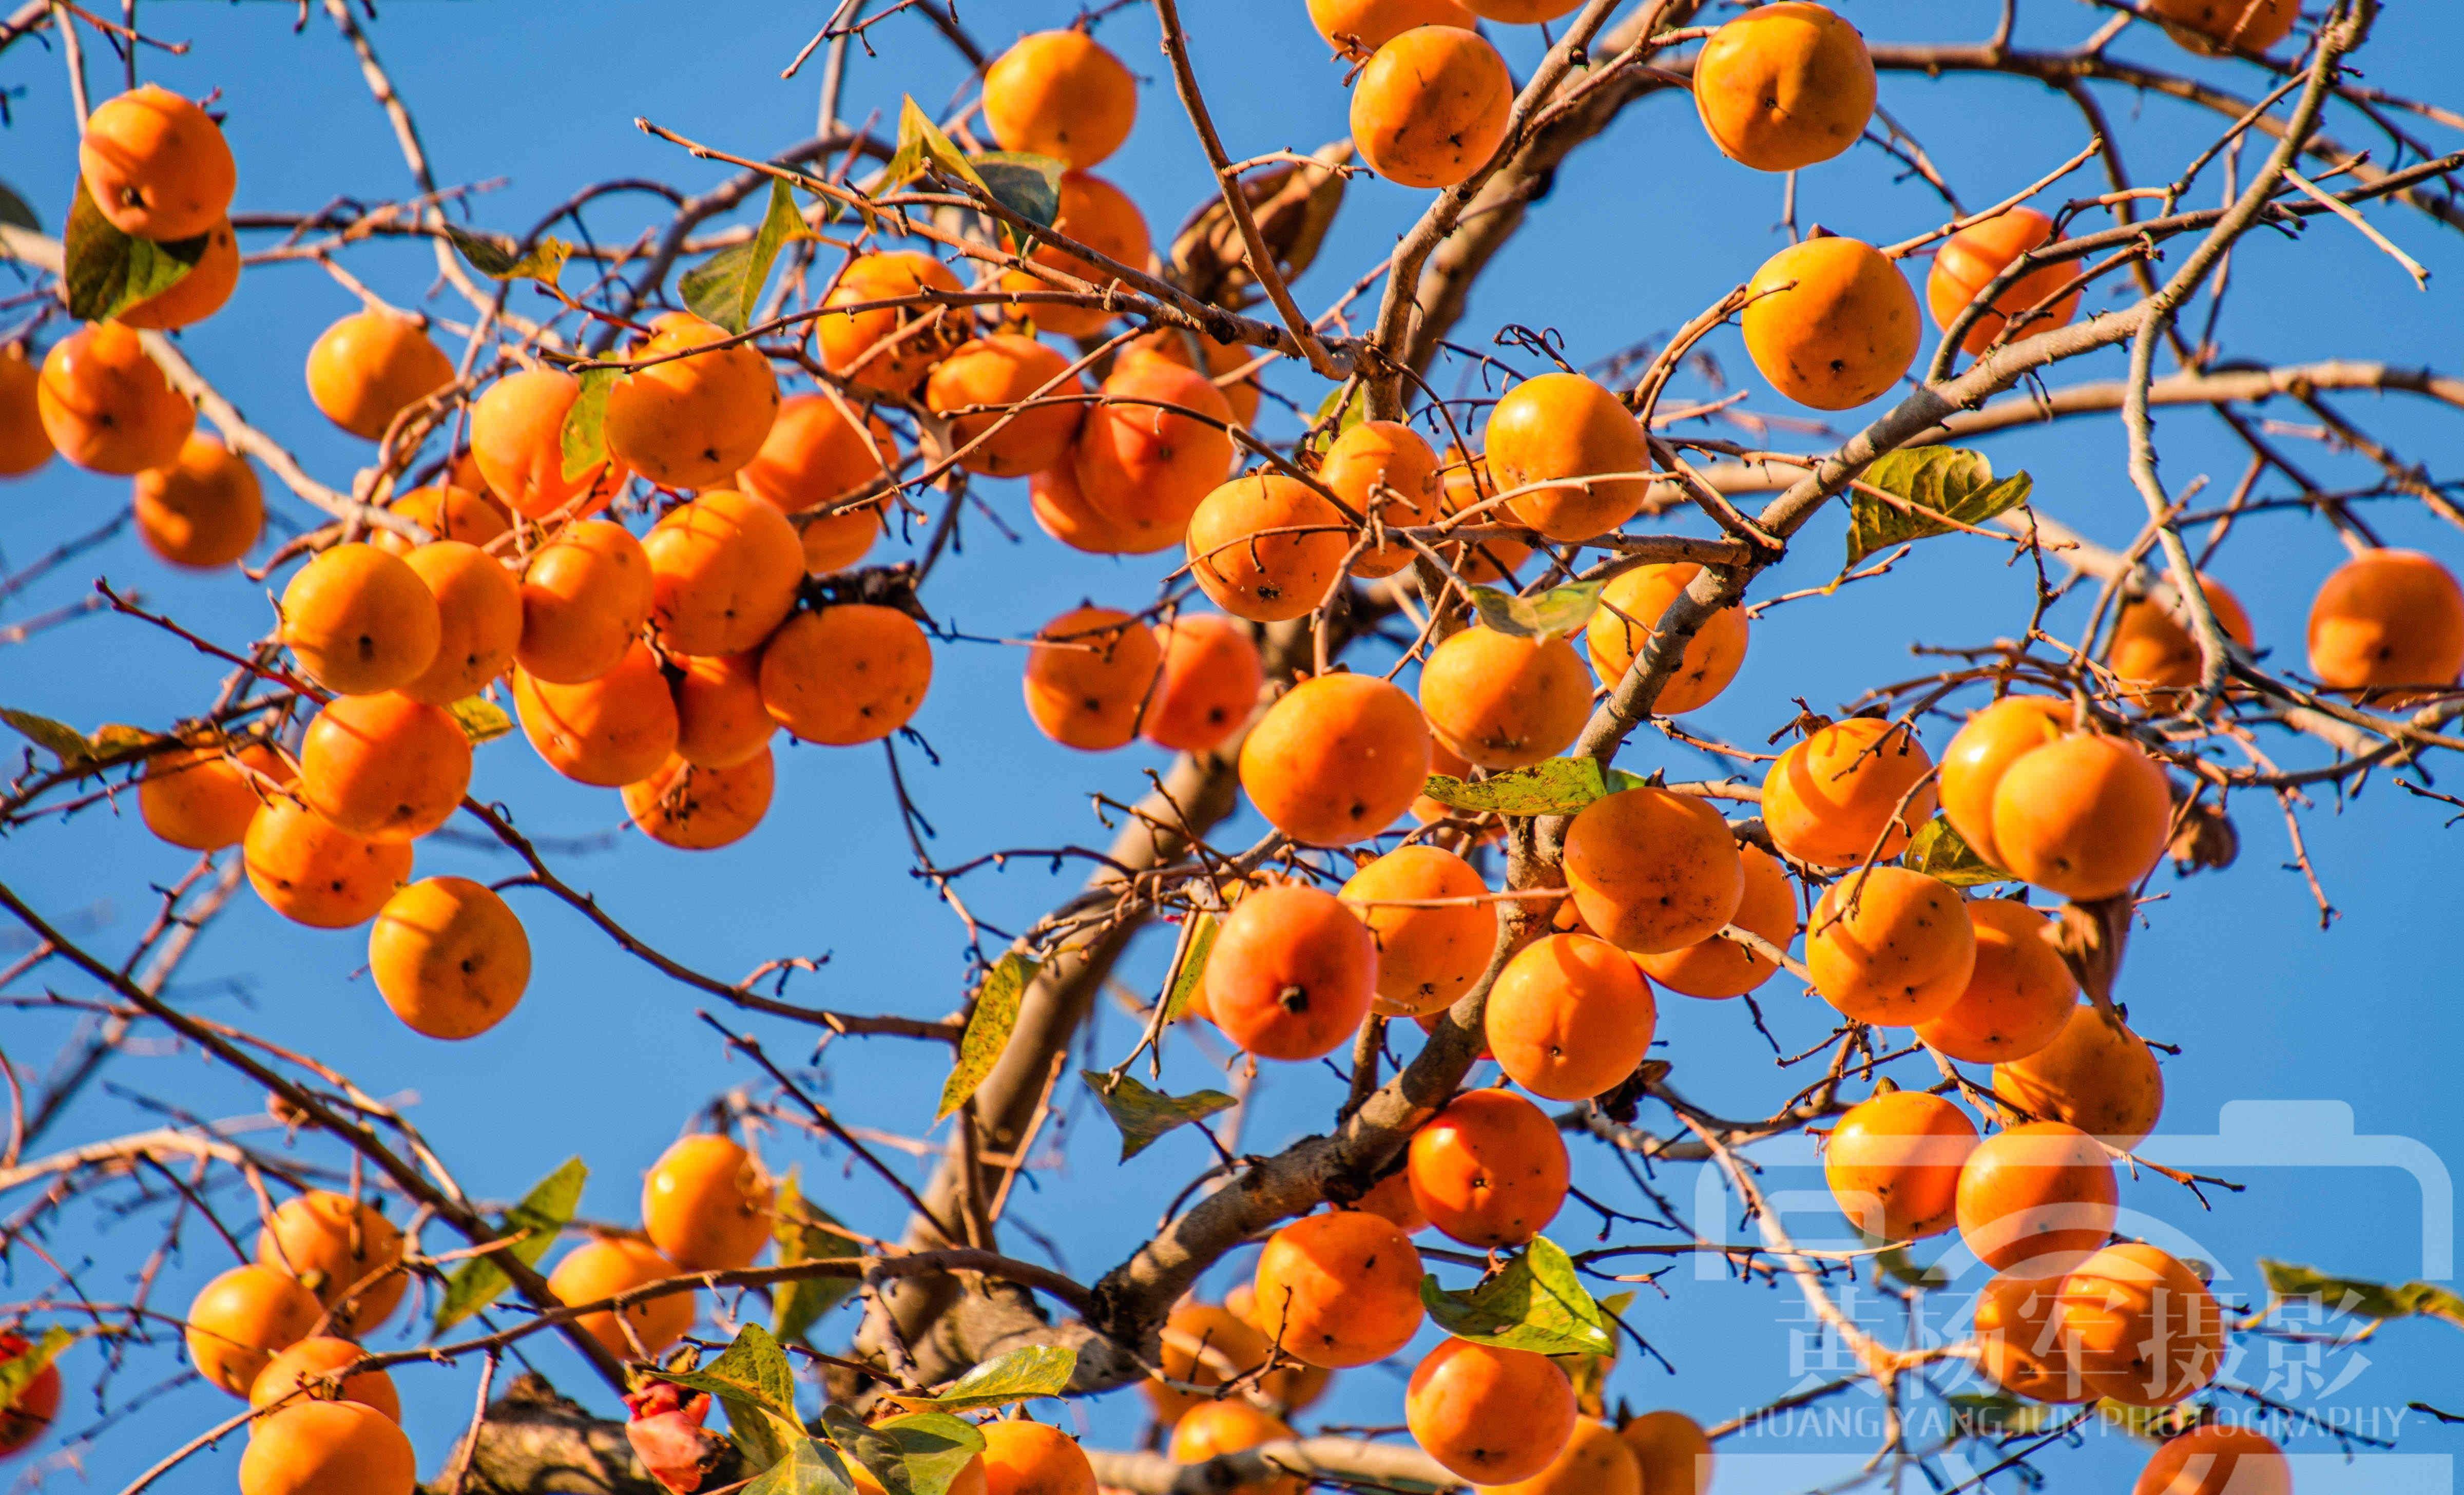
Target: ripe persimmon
x=1893, y=1164
x=889, y=349
x=609, y=731
x=1891, y=947
x=1357, y=27
x=1427, y=957
x=1486, y=559
x=1717, y=967
x=706, y=1204
x=2039, y=1196
x=1784, y=86
x=1853, y=789
x=204, y=797
x=241, y=1319
x=1653, y=871
x=720, y=720
x=1391, y=1198
x=1209, y=684
x=449, y=958
x=1570, y=1017
x=691, y=421
x=1266, y=547
x=1524, y=13
x=1095, y=213
x=311, y=1361
x=445, y=510
x=1153, y=446
x=724, y=570
x=1384, y=467
x=820, y=449
x=1218, y=361
x=479, y=616
x=24, y=447
x=1338, y=1290
x=2018, y=1347
x=1504, y=701
x=1090, y=675
x=1969, y=260
x=1672, y=1453
x=156, y=165
x=359, y=621
x=1432, y=107
x=1630, y=607
x=2218, y=1458
x=2155, y=657
x=1832, y=323
x=342, y=1250
x=328, y=1448
x=602, y=1268
x=105, y=405
x=2019, y=995
x=1565, y=426
x=386, y=767
x=518, y=443
x=2085, y=816
x=1206, y=1344
x=1060, y=511
x=1594, y=1461
x=988, y=392
x=372, y=366
x=1023, y=1458
x=311, y=872
x=1226, y=1427
x=1337, y=758
x=839, y=675
x=1060, y=93
x=2215, y=26
x=693, y=808
x=2094, y=1073
x=585, y=596
x=2385, y=618
x=1491, y=1415
x=1292, y=973
x=1489, y=1170
x=2148, y=1331
x=195, y=295
x=1986, y=746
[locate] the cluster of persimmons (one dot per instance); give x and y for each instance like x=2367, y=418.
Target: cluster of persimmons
x=662, y=664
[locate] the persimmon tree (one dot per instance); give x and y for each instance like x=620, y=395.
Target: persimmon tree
x=656, y=509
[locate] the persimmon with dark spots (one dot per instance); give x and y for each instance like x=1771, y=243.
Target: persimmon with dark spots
x=2017, y=1346
x=1211, y=674
x=446, y=512
x=1716, y=967
x=720, y=720
x=2020, y=993
x=724, y=571
x=386, y=767
x=1292, y=973
x=105, y=405
x=2218, y=1458
x=1358, y=27
x=1969, y=260
x=311, y=872
x=2094, y=1073
x=1890, y=946
x=309, y=1368
x=1385, y=469
x=1854, y=789
x=1491, y=1415
x=1427, y=957
x=2147, y=1330
x=242, y=1319
x=1570, y=1017
x=602, y=1268
x=1011, y=402
x=195, y=295
x=1489, y=1170
x=1986, y=746
x=2385, y=620
x=1832, y=323
x=1060, y=93
x=1594, y=1461
x=843, y=675
x=1218, y=361
x=1206, y=1344
x=822, y=448
x=1060, y=511
x=1671, y=1452
x=372, y=366
x=156, y=165
x=204, y=797
x=885, y=348
x=204, y=511
x=1227, y=1427
x=518, y=444
x=1153, y=446
x=341, y=1250
x=691, y=420
x=1432, y=107
x=1784, y=86
x=360, y=619
x=1505, y=701
x=2037, y=1197
x=1338, y=1290
x=1391, y=1198
x=327, y=1448
x=694, y=808
x=24, y=446
x=1023, y=1457
x=478, y=616
x=1893, y=1164
x=1266, y=547
x=587, y=595
x=610, y=731
x=1090, y=673
x=2155, y=657
x=706, y=1204
x=1336, y=759
x=450, y=958
x=2217, y=27
x=2086, y=816
x=1630, y=607
x=1101, y=217
x=1486, y=559
x=1653, y=871
x=1565, y=426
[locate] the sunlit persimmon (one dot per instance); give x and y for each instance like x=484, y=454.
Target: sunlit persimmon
x=1153, y=446
x=1209, y=685
x=1386, y=469
x=518, y=442
x=328, y=1448
x=1426, y=909
x=1891, y=947
x=693, y=808
x=724, y=570
x=706, y=1204
x=2037, y=1197
x=1432, y=107
x=611, y=729
x=2215, y=26
x=24, y=447
x=2218, y=1458
x=372, y=366
x=1339, y=1290
x=1832, y=323
x=445, y=510
x=1653, y=871
x=585, y=597
x=855, y=672
x=204, y=797
x=342, y=1250
x=478, y=616
x=1292, y=973
x=2020, y=993
x=2384, y=619
x=156, y=165
x=1337, y=758
x=1219, y=361
x=1630, y=607
x=1489, y=1170
x=1672, y=1453
x=312, y=873
x=2094, y=1073
x=1784, y=86
x=691, y=420
x=1969, y=260
x=1266, y=547
x=822, y=448
x=2018, y=1347
x=241, y=1319
x=449, y=958
x=105, y=405
x=195, y=295
x=386, y=767
x=1491, y=1415
x=2086, y=816
x=361, y=621
x=602, y=1268
x=1893, y=1164
x=1023, y=1458
x=1854, y=789
x=1358, y=27
x=2147, y=1330
x=1090, y=676
x=309, y=1367
x=1012, y=404
x=720, y=720
x=1060, y=93
x=1505, y=701
x=2153, y=654
x=1570, y=1017
x=1972, y=766
x=890, y=348
x=1095, y=213
x=1717, y=967
x=1564, y=425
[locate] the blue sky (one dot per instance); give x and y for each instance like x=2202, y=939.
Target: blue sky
x=1643, y=229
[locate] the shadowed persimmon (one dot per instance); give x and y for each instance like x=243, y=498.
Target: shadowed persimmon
x=105, y=405
x=1292, y=973
x=988, y=389
x=1090, y=676
x=195, y=295
x=1209, y=685
x=1095, y=213
x=724, y=570
x=1653, y=871
x=2018, y=995
x=1630, y=607
x=518, y=443
x=1969, y=261
x=2386, y=618
x=585, y=597
x=386, y=767
x=2018, y=1347
x=2154, y=655
x=201, y=798
x=203, y=511
x=1890, y=946
x=341, y=1250
x=1854, y=789
x=1671, y=1452
x=1338, y=1290
x=720, y=720
x=602, y=1268
x=1153, y=446
x=890, y=349
x=706, y=1204
x=1716, y=967
x=24, y=446
x=478, y=616
x=1384, y=467
x=1594, y=1461
x=1226, y=1427
x=1427, y=957
x=691, y=420
x=694, y=808
x=2094, y=1073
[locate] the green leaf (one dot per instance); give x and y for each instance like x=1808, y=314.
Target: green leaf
x=18, y=1373
x=61, y=740
x=107, y=272
x=922, y=147
x=584, y=437
x=760, y=1436
x=1558, y=786
x=988, y=1029
x=496, y=258
x=1556, y=613
x=2364, y=1299
x=753, y=1370
x=14, y=210
x=1197, y=942
x=481, y=720
x=1144, y=1115
x=543, y=1213
x=807, y=1467
x=1536, y=1302
x=1589, y=1373
x=726, y=287
x=1898, y=1266
x=1999, y=1412
x=1020, y=1375
x=1345, y=405
x=1939, y=851
x=1026, y=184
x=802, y=1238
x=1946, y=480
x=912, y=1454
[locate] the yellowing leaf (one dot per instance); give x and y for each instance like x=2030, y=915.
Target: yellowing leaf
x=2362, y=1299
x=1559, y=613
x=800, y=1229
x=1197, y=944
x=1939, y=851
x=1145, y=1114
x=1559, y=786
x=1930, y=480
x=18, y=1373
x=1020, y=1375
x=543, y=1213
x=584, y=438
x=480, y=720
x=988, y=1029
x=502, y=259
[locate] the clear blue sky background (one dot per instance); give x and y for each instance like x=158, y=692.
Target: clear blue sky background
x=1644, y=227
